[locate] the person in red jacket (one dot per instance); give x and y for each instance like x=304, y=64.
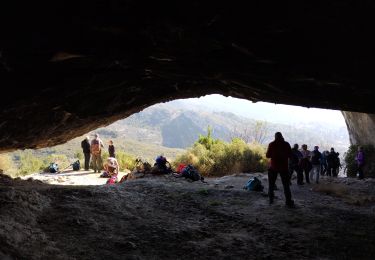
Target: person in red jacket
x=279, y=151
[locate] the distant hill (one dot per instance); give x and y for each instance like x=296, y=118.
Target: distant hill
x=168, y=125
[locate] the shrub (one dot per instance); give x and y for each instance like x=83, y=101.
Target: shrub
x=6, y=163
x=126, y=161
x=217, y=158
x=29, y=163
x=351, y=164
x=79, y=155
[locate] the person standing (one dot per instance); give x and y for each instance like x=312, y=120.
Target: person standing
x=85, y=144
x=323, y=164
x=111, y=149
x=96, y=153
x=305, y=162
x=294, y=164
x=360, y=158
x=331, y=163
x=279, y=151
x=316, y=157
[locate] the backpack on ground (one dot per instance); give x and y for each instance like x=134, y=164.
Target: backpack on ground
x=189, y=172
x=95, y=147
x=53, y=167
x=76, y=165
x=254, y=184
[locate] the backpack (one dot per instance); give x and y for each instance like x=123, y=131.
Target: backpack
x=95, y=147
x=180, y=167
x=254, y=184
x=53, y=168
x=315, y=158
x=76, y=165
x=189, y=172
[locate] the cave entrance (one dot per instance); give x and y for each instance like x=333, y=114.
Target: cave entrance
x=170, y=128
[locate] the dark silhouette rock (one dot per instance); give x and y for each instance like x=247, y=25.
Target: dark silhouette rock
x=70, y=67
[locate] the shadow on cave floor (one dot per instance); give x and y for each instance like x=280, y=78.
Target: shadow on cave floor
x=169, y=218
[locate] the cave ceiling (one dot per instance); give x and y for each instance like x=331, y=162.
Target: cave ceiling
x=69, y=67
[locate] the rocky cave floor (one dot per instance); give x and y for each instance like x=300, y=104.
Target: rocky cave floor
x=168, y=218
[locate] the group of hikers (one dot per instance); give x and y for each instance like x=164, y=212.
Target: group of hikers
x=286, y=160
x=93, y=150
x=312, y=164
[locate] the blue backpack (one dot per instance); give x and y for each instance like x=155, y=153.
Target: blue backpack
x=254, y=184
x=76, y=165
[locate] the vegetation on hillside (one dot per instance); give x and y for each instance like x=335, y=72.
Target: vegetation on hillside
x=214, y=157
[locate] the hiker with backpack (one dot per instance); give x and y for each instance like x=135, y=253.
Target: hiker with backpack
x=305, y=162
x=85, y=144
x=294, y=164
x=96, y=153
x=279, y=151
x=316, y=157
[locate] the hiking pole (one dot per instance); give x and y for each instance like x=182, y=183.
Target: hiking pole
x=65, y=168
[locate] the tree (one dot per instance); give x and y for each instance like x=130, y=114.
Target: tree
x=254, y=133
x=260, y=131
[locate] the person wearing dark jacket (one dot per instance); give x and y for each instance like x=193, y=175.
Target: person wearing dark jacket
x=279, y=151
x=111, y=149
x=85, y=144
x=332, y=163
x=294, y=164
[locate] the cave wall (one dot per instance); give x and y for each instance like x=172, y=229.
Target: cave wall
x=361, y=127
x=72, y=66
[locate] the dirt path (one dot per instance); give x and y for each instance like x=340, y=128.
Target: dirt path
x=169, y=218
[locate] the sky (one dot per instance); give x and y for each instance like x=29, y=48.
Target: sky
x=276, y=113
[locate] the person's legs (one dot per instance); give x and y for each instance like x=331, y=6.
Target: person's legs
x=312, y=173
x=299, y=175
x=95, y=162
x=288, y=195
x=307, y=171
x=329, y=170
x=272, y=176
x=87, y=161
x=360, y=172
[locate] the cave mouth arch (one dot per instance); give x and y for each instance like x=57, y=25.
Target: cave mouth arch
x=229, y=117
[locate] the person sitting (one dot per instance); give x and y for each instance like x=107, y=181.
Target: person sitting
x=111, y=167
x=161, y=166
